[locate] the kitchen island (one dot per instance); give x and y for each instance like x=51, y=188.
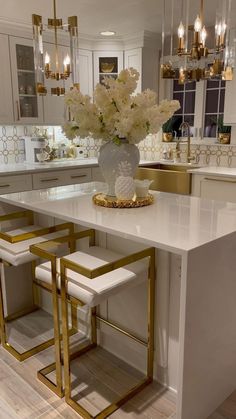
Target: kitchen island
x=197, y=239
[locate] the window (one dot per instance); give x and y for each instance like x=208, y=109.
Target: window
x=202, y=105
x=214, y=106
x=185, y=94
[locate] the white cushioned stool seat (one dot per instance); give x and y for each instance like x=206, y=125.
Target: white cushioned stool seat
x=92, y=291
x=18, y=253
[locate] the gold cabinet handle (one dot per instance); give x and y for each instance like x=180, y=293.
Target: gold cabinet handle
x=52, y=179
x=77, y=176
x=18, y=110
x=221, y=180
x=4, y=186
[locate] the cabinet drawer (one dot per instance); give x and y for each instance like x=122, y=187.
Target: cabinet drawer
x=60, y=178
x=19, y=183
x=78, y=176
x=219, y=189
x=49, y=179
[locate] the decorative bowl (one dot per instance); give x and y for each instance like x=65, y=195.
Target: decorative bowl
x=167, y=137
x=224, y=138
x=107, y=67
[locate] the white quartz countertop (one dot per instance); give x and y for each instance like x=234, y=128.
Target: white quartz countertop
x=215, y=171
x=62, y=164
x=175, y=223
x=19, y=168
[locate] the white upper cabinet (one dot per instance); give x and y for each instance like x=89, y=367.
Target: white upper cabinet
x=27, y=106
x=54, y=108
x=20, y=104
x=86, y=72
x=133, y=58
x=6, y=108
x=144, y=57
x=230, y=95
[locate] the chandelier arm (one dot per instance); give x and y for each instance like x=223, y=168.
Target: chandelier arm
x=56, y=40
x=201, y=12
x=163, y=32
x=172, y=26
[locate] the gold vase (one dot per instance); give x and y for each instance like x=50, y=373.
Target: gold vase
x=167, y=137
x=224, y=137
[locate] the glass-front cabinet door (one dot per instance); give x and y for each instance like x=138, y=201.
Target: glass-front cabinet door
x=28, y=107
x=107, y=63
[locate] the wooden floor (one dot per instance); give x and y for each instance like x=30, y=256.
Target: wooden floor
x=98, y=377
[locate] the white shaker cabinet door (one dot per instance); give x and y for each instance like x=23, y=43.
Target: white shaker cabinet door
x=133, y=58
x=27, y=105
x=54, y=107
x=230, y=101
x=214, y=187
x=6, y=104
x=86, y=72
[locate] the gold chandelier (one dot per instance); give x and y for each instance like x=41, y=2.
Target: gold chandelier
x=43, y=63
x=198, y=62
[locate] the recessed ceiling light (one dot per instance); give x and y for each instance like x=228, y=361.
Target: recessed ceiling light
x=107, y=33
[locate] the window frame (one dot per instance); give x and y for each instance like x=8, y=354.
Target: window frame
x=184, y=91
x=166, y=91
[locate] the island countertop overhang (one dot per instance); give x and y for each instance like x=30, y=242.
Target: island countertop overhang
x=175, y=223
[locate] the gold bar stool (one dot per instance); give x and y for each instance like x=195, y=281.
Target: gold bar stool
x=90, y=277
x=14, y=251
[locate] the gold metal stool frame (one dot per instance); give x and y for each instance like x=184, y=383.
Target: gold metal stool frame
x=42, y=250
x=106, y=268
x=21, y=356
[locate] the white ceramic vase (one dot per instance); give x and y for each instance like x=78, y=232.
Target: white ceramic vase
x=110, y=155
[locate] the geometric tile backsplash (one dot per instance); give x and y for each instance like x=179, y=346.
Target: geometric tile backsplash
x=12, y=148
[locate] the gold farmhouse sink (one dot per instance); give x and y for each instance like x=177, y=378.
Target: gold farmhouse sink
x=167, y=178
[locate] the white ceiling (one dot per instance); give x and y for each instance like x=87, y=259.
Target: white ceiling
x=123, y=16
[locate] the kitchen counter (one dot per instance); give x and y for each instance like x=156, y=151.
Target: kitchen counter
x=214, y=171
x=175, y=223
x=202, y=234
x=62, y=164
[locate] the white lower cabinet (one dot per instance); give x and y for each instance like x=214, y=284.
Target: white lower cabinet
x=61, y=177
x=214, y=187
x=78, y=176
x=97, y=174
x=15, y=183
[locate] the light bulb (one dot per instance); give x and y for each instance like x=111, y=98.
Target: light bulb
x=197, y=24
x=47, y=58
x=218, y=29
x=66, y=60
x=181, y=79
x=223, y=28
x=181, y=30
x=203, y=36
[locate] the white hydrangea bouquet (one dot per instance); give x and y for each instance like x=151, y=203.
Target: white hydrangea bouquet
x=119, y=118
x=115, y=112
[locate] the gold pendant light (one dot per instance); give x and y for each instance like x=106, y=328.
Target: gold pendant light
x=60, y=70
x=199, y=62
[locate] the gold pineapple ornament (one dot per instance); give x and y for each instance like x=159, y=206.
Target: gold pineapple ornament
x=124, y=186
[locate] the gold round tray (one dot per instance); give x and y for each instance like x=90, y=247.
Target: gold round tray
x=111, y=202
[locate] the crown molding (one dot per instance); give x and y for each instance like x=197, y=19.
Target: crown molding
x=136, y=40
